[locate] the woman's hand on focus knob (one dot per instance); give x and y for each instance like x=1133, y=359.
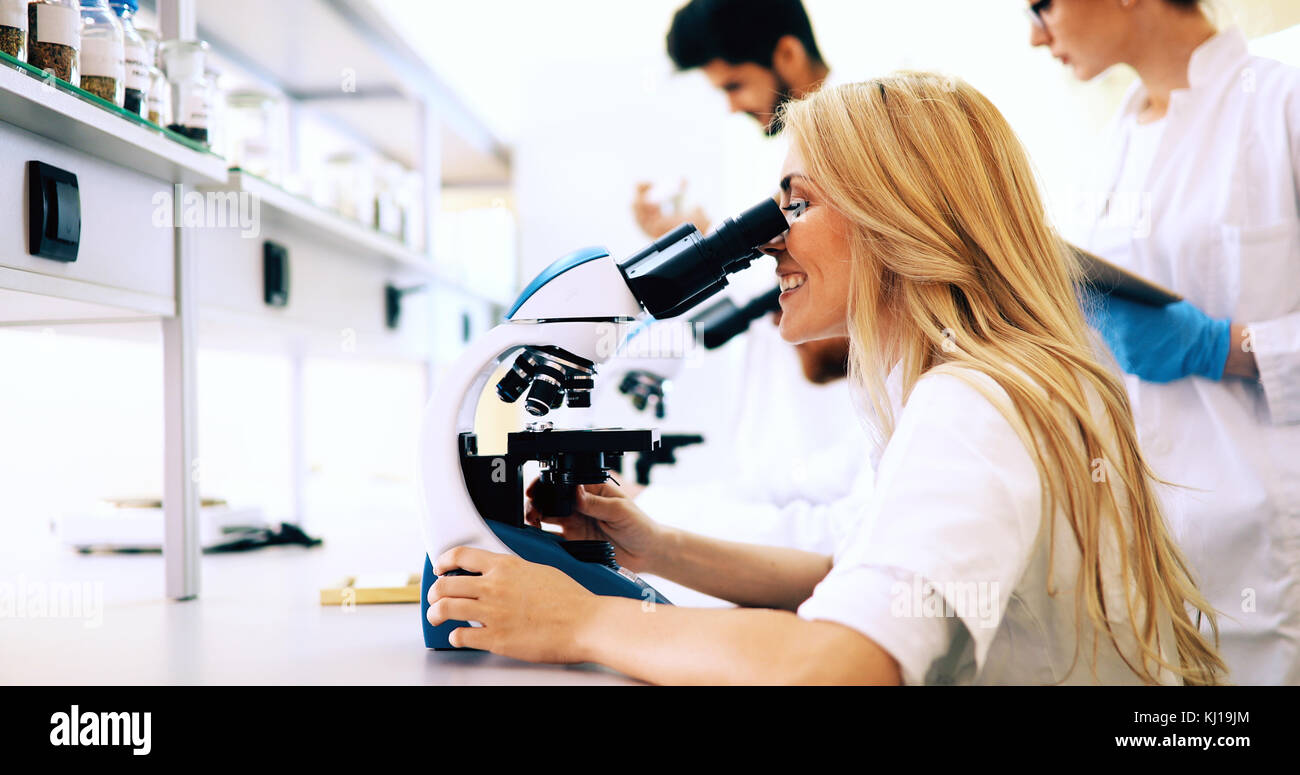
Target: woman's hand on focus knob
x=603, y=512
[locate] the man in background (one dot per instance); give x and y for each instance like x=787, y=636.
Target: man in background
x=797, y=447
x=760, y=54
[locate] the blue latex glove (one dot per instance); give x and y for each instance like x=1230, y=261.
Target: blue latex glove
x=1161, y=344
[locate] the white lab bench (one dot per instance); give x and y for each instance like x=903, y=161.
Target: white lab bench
x=204, y=285
x=258, y=621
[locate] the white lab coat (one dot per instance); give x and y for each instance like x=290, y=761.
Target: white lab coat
x=950, y=566
x=1223, y=230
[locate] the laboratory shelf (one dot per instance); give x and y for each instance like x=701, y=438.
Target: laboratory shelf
x=31, y=298
x=359, y=71
x=337, y=60
x=46, y=106
x=358, y=239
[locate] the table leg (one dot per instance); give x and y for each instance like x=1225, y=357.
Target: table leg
x=180, y=429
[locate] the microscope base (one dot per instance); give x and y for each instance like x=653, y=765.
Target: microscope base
x=545, y=548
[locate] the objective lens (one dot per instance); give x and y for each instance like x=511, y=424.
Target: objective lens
x=515, y=382
x=547, y=392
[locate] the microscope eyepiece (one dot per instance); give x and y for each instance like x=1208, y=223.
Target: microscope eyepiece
x=683, y=268
x=723, y=321
x=738, y=239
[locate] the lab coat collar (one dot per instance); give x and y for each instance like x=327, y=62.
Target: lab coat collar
x=1211, y=61
x=1216, y=56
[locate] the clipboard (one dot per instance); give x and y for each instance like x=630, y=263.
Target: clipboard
x=1108, y=278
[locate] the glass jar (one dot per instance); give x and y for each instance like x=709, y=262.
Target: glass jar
x=103, y=52
x=159, y=96
x=351, y=186
x=139, y=58
x=54, y=38
x=160, y=93
x=410, y=200
x=252, y=139
x=216, y=110
x=13, y=28
x=183, y=62
x=388, y=182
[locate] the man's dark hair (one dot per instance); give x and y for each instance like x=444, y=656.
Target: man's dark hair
x=737, y=31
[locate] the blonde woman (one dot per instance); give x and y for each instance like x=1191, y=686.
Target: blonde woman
x=1012, y=537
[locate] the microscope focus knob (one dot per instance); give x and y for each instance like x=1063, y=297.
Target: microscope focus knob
x=601, y=552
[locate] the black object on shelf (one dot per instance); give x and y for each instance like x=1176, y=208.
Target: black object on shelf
x=54, y=212
x=197, y=134
x=275, y=274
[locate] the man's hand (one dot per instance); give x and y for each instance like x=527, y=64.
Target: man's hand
x=655, y=221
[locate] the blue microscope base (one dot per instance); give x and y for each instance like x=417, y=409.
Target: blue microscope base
x=541, y=547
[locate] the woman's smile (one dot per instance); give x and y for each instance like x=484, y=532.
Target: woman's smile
x=791, y=282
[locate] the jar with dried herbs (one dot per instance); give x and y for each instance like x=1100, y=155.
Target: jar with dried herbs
x=103, y=52
x=13, y=28
x=54, y=38
x=138, y=56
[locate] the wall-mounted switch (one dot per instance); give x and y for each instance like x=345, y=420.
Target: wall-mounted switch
x=393, y=302
x=54, y=212
x=275, y=274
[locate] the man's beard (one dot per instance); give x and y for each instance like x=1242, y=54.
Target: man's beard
x=783, y=96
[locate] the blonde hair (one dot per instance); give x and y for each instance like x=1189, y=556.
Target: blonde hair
x=952, y=253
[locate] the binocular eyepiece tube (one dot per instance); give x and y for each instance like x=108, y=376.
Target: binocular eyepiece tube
x=683, y=268
x=668, y=277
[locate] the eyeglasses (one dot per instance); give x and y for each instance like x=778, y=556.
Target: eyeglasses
x=1035, y=12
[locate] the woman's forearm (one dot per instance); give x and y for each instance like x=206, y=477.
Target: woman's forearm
x=745, y=574
x=673, y=645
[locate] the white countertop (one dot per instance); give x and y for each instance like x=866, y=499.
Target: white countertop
x=258, y=620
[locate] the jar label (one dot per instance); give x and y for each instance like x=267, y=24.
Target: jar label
x=194, y=112
x=13, y=13
x=58, y=24
x=137, y=72
x=103, y=57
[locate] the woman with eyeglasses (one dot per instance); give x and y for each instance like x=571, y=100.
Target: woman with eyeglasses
x=1013, y=534
x=1198, y=189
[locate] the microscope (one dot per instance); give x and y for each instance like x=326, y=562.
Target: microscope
x=719, y=323
x=646, y=380
x=568, y=321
